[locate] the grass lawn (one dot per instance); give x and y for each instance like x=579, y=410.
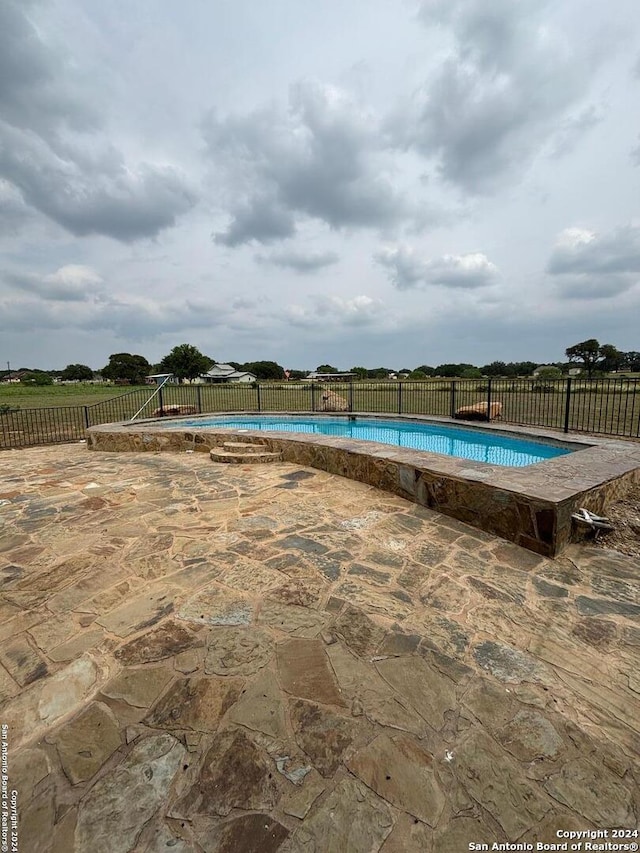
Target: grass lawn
x=82, y=394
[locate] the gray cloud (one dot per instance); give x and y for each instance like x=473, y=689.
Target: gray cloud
x=33, y=94
x=580, y=251
x=53, y=153
x=407, y=271
x=127, y=318
x=14, y=213
x=331, y=313
x=586, y=265
x=319, y=158
x=592, y=287
x=72, y=283
x=573, y=130
x=499, y=95
x=259, y=218
x=300, y=262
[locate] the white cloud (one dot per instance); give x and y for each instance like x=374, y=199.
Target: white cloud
x=406, y=270
x=587, y=265
x=332, y=312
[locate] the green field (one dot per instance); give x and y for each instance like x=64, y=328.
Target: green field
x=62, y=413
x=82, y=394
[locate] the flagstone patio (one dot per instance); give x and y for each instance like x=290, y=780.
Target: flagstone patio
x=202, y=657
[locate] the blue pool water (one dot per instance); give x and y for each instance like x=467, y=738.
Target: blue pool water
x=451, y=441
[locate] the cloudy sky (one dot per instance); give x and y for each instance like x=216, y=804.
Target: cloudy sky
x=378, y=182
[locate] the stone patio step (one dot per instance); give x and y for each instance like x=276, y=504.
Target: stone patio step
x=242, y=458
x=244, y=447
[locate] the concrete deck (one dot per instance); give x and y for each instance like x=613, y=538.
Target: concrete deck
x=201, y=657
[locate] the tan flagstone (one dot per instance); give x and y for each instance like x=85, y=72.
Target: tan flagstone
x=76, y=646
x=351, y=818
x=195, y=703
x=114, y=811
x=292, y=619
x=361, y=682
x=237, y=651
x=85, y=743
x=141, y=612
x=402, y=773
x=304, y=671
x=140, y=686
x=260, y=707
x=426, y=690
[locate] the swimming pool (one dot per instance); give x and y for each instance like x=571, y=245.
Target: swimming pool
x=492, y=448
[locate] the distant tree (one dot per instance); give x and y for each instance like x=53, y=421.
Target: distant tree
x=610, y=358
x=587, y=352
x=496, y=368
x=549, y=372
x=632, y=361
x=185, y=362
x=380, y=373
x=471, y=373
x=452, y=370
x=124, y=365
x=428, y=371
x=326, y=368
x=521, y=368
x=76, y=373
x=298, y=374
x=264, y=369
x=418, y=374
x=596, y=356
x=36, y=378
x=360, y=372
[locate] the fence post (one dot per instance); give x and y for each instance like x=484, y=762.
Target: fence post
x=86, y=417
x=489, y=399
x=567, y=405
x=453, y=398
x=351, y=395
x=199, y=396
x=313, y=396
x=259, y=397
x=160, y=401
x=399, y=396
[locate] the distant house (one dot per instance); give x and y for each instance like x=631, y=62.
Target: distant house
x=159, y=378
x=314, y=376
x=14, y=377
x=571, y=371
x=225, y=373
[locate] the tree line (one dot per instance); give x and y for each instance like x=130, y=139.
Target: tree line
x=186, y=362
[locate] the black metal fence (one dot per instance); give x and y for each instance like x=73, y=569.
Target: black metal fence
x=605, y=406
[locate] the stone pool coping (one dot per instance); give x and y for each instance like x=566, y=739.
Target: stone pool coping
x=531, y=506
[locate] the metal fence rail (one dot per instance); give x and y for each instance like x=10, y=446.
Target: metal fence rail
x=605, y=406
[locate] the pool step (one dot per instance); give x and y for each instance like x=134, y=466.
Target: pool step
x=238, y=453
x=243, y=447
